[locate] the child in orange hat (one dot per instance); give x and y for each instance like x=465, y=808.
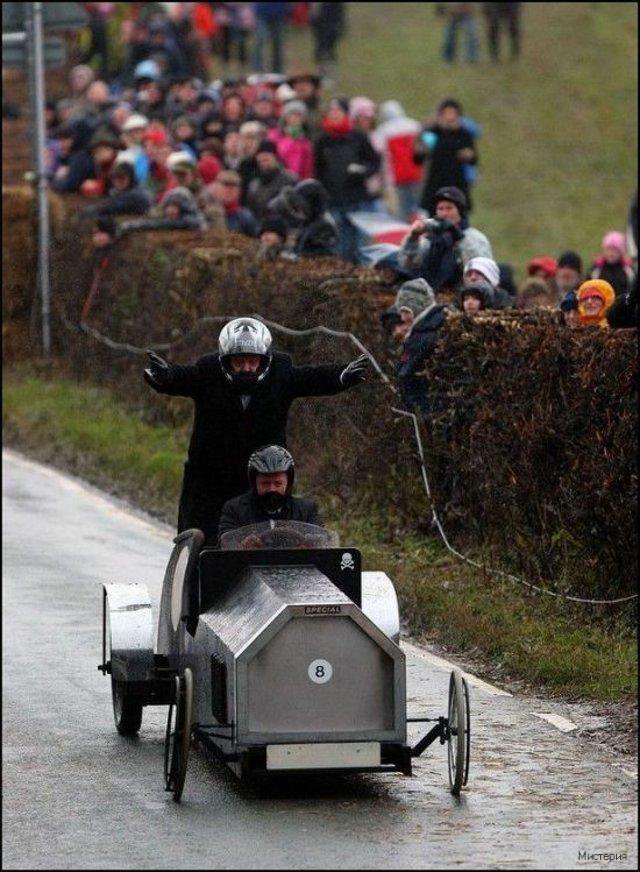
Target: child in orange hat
x=595, y=296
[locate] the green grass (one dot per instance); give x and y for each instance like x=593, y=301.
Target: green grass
x=527, y=637
x=559, y=147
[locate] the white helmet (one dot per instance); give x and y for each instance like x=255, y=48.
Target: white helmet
x=245, y=336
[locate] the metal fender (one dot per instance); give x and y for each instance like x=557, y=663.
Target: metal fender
x=380, y=603
x=127, y=632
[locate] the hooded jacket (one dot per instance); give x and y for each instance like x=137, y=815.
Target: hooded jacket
x=417, y=346
x=79, y=159
x=191, y=218
x=136, y=200
x=318, y=235
x=264, y=187
x=395, y=137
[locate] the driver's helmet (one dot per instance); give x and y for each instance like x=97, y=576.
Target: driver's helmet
x=271, y=458
x=245, y=336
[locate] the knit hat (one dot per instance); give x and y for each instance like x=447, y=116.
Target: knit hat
x=209, y=168
x=123, y=167
x=361, y=106
x=486, y=267
x=415, y=295
x=571, y=260
x=615, y=239
x=294, y=106
x=285, y=92
x=104, y=136
x=267, y=145
x=135, y=122
x=157, y=136
x=569, y=302
x=252, y=128
x=453, y=195
x=147, y=70
x=595, y=288
x=483, y=290
x=178, y=160
x=547, y=264
x=183, y=198
x=273, y=224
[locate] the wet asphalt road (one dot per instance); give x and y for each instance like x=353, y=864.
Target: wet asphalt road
x=76, y=795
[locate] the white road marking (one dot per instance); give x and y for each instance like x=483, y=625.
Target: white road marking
x=441, y=663
x=563, y=724
x=104, y=503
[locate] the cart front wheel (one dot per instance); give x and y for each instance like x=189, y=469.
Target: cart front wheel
x=178, y=736
x=459, y=732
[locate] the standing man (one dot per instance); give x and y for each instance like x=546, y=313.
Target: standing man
x=345, y=159
x=448, y=148
x=242, y=397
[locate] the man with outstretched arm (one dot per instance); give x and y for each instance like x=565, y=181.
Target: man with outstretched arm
x=242, y=397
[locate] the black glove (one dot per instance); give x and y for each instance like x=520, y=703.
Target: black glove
x=355, y=372
x=158, y=373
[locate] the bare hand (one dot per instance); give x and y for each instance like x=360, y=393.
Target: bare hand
x=465, y=154
x=417, y=228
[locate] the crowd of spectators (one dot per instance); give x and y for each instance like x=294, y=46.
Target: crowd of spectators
x=278, y=159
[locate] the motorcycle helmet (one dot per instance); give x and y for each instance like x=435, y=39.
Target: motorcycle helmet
x=271, y=458
x=245, y=336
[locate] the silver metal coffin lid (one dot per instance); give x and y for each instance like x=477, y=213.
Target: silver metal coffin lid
x=274, y=698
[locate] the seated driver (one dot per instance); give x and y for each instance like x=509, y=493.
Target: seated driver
x=271, y=472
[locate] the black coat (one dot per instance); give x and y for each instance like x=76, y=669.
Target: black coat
x=415, y=350
x=444, y=168
x=332, y=157
x=135, y=201
x=224, y=434
x=244, y=510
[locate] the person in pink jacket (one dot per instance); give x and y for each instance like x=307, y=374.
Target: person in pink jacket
x=294, y=146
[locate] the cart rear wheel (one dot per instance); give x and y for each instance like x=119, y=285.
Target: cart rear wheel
x=127, y=712
x=178, y=736
x=459, y=739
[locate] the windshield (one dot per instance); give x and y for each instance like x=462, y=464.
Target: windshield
x=279, y=534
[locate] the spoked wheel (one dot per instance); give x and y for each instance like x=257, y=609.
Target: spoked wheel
x=178, y=736
x=459, y=744
x=127, y=712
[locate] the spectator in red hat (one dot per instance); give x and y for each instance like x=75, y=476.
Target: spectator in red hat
x=158, y=149
x=542, y=268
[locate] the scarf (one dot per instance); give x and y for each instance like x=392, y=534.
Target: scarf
x=336, y=129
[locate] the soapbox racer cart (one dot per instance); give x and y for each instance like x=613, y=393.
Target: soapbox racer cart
x=277, y=653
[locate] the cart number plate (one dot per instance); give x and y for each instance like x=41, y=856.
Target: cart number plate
x=328, y=755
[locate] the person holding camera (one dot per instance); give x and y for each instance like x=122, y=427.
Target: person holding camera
x=439, y=248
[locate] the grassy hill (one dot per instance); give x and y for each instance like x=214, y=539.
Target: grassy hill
x=559, y=147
